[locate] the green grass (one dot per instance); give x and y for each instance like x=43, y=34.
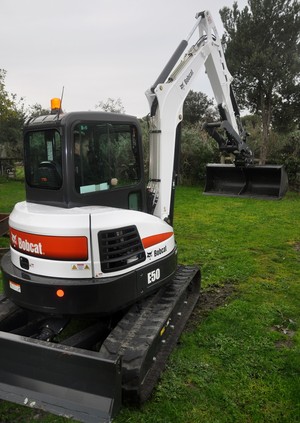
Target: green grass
x=10, y=193
x=239, y=361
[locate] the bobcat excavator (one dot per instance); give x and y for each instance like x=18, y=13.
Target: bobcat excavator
x=94, y=300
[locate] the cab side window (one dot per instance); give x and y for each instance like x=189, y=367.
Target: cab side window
x=43, y=159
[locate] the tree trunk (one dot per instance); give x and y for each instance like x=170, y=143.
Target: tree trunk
x=266, y=111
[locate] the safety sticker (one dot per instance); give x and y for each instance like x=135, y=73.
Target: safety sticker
x=81, y=266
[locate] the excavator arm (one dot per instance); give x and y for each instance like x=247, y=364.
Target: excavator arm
x=166, y=97
x=232, y=137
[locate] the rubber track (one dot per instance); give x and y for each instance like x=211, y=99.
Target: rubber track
x=148, y=333
x=10, y=314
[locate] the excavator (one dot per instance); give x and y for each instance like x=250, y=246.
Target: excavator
x=94, y=300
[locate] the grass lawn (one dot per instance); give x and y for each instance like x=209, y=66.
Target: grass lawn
x=239, y=358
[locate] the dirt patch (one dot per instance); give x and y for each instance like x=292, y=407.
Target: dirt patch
x=289, y=334
x=297, y=246
x=286, y=343
x=211, y=298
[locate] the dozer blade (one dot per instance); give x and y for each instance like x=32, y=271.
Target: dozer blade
x=265, y=182
x=63, y=380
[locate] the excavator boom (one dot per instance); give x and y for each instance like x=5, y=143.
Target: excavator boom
x=166, y=97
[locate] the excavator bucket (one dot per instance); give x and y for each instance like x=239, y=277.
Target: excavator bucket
x=265, y=182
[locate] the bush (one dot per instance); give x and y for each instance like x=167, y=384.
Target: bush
x=288, y=154
x=197, y=149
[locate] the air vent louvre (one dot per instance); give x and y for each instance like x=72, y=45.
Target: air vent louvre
x=120, y=248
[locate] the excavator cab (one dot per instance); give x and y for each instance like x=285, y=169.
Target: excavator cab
x=89, y=158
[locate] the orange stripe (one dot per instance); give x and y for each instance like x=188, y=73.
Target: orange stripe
x=156, y=239
x=50, y=247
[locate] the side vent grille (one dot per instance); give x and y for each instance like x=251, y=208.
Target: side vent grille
x=120, y=248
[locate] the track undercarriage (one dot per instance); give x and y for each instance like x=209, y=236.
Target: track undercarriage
x=87, y=372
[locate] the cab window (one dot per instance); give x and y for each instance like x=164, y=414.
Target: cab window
x=43, y=159
x=105, y=156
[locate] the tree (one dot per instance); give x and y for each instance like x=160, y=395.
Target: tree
x=286, y=116
x=197, y=108
x=111, y=105
x=12, y=117
x=5, y=102
x=37, y=110
x=262, y=51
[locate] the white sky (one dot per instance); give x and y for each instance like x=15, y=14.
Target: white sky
x=96, y=49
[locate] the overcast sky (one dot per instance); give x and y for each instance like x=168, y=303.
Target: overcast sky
x=96, y=49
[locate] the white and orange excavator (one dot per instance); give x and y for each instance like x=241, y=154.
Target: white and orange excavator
x=94, y=300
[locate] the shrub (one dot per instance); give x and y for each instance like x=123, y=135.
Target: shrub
x=197, y=149
x=288, y=154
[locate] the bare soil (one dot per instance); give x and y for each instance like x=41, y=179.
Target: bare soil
x=211, y=298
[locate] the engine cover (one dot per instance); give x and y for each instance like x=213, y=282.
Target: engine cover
x=85, y=260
